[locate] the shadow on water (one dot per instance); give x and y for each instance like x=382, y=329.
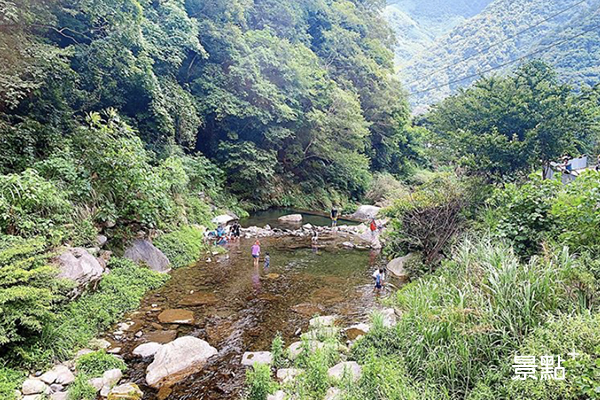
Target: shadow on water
x=238, y=307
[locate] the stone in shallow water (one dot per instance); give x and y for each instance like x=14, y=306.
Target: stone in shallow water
x=176, y=316
x=291, y=218
x=198, y=299
x=307, y=309
x=177, y=360
x=272, y=276
x=147, y=349
x=260, y=357
x=161, y=336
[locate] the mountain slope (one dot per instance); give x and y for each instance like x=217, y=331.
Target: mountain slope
x=418, y=24
x=442, y=63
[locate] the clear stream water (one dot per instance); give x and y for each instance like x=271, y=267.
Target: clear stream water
x=240, y=308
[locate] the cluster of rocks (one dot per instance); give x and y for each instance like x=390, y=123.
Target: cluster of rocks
x=54, y=384
x=86, y=266
x=347, y=236
x=321, y=328
x=175, y=360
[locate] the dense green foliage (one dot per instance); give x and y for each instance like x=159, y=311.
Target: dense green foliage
x=182, y=247
x=27, y=289
x=502, y=127
x=10, y=381
x=94, y=364
x=283, y=97
x=75, y=323
x=569, y=41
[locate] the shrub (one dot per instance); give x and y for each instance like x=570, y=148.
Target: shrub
x=81, y=389
x=425, y=221
x=10, y=381
x=472, y=314
x=522, y=214
x=182, y=247
x=277, y=350
x=576, y=213
x=31, y=205
x=94, y=364
x=384, y=188
x=81, y=320
x=27, y=289
x=259, y=382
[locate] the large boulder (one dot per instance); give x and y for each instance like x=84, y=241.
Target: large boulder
x=365, y=213
x=142, y=251
x=396, y=266
x=223, y=219
x=176, y=360
x=292, y=218
x=79, y=266
x=33, y=386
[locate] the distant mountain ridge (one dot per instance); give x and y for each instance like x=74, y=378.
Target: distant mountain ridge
x=440, y=62
x=418, y=24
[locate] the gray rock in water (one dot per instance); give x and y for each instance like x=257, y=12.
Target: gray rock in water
x=291, y=218
x=147, y=349
x=177, y=360
x=327, y=320
x=364, y=213
x=79, y=266
x=142, y=251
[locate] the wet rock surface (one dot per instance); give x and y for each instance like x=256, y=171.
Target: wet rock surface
x=238, y=308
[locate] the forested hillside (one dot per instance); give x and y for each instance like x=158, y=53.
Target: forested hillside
x=500, y=26
x=284, y=97
x=417, y=24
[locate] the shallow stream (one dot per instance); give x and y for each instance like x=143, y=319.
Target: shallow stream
x=238, y=307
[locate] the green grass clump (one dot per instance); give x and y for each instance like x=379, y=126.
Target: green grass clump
x=80, y=321
x=259, y=382
x=10, y=380
x=470, y=316
x=80, y=389
x=96, y=363
x=183, y=246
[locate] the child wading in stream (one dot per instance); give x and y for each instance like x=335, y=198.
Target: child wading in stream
x=378, y=276
x=267, y=260
x=256, y=252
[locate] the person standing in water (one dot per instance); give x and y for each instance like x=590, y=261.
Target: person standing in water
x=256, y=252
x=267, y=260
x=378, y=276
x=373, y=228
x=334, y=217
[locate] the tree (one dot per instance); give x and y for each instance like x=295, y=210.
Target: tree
x=505, y=125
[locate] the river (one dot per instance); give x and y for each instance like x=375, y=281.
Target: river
x=238, y=307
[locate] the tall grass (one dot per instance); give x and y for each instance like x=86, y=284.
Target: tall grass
x=470, y=316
